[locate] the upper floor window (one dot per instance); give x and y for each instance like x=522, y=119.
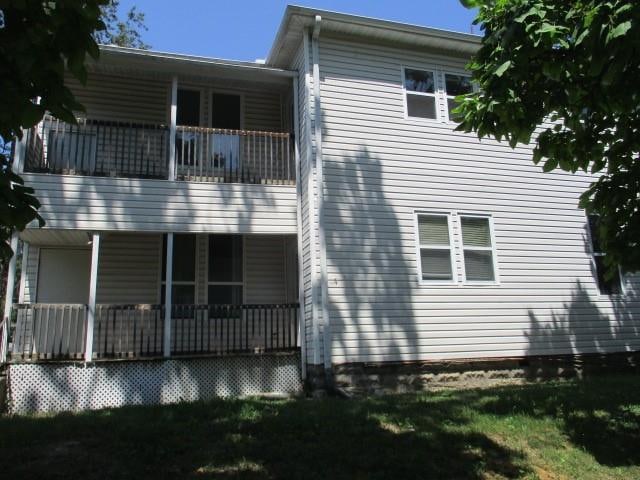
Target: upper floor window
x=608, y=285
x=420, y=93
x=455, y=85
x=429, y=93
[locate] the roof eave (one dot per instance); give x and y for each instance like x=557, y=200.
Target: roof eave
x=296, y=19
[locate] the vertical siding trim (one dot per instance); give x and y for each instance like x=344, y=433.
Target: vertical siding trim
x=23, y=271
x=311, y=206
x=317, y=112
x=301, y=309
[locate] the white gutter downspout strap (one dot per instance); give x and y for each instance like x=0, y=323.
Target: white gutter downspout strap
x=317, y=111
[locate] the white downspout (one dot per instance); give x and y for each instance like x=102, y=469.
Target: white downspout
x=326, y=331
x=315, y=360
x=301, y=310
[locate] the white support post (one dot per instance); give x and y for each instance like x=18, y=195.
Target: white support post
x=166, y=338
x=8, y=301
x=172, y=128
x=91, y=306
x=19, y=153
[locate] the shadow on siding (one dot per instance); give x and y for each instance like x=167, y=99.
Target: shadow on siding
x=374, y=319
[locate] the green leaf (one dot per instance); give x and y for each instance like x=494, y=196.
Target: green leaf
x=620, y=30
x=549, y=165
x=502, y=68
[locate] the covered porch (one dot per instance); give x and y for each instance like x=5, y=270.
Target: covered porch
x=97, y=296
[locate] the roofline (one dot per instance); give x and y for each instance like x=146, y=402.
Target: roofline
x=457, y=41
x=192, y=60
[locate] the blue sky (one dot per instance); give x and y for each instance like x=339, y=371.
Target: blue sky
x=244, y=29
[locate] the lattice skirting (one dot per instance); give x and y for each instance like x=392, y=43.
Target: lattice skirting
x=42, y=387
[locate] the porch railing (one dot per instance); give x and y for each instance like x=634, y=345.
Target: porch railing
x=48, y=332
x=233, y=156
x=57, y=331
x=98, y=148
x=224, y=329
x=128, y=331
x=133, y=150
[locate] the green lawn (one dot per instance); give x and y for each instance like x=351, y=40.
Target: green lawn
x=570, y=430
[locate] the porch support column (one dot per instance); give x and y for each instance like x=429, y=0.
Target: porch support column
x=91, y=306
x=8, y=300
x=172, y=128
x=166, y=338
x=19, y=153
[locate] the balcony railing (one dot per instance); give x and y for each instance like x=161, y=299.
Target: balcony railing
x=117, y=149
x=234, y=156
x=57, y=332
x=98, y=148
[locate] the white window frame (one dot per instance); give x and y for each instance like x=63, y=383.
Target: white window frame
x=594, y=266
x=232, y=284
x=492, y=249
x=450, y=247
x=435, y=93
x=446, y=95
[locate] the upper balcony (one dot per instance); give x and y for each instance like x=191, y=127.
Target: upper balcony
x=138, y=150
x=169, y=143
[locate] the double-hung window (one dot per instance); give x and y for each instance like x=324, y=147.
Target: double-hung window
x=429, y=93
x=477, y=249
x=435, y=249
x=225, y=273
x=420, y=93
x=455, y=85
x=608, y=285
x=183, y=284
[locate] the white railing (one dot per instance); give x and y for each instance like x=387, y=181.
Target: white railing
x=234, y=156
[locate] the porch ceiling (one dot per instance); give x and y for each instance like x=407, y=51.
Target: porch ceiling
x=165, y=65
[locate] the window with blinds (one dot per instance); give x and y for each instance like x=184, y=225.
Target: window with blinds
x=435, y=248
x=477, y=249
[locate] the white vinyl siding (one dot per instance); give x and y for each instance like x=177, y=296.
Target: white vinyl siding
x=309, y=200
x=94, y=203
x=129, y=268
x=264, y=269
x=380, y=168
x=30, y=272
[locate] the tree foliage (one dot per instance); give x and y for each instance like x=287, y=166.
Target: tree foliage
x=564, y=75
x=39, y=41
x=123, y=32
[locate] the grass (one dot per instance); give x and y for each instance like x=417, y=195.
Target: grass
x=569, y=430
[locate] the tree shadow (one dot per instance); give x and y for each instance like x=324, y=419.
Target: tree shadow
x=401, y=437
x=589, y=338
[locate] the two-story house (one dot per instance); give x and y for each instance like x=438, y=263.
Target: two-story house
x=217, y=227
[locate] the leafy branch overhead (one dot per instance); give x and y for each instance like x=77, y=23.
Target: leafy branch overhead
x=564, y=75
x=122, y=31
x=40, y=43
